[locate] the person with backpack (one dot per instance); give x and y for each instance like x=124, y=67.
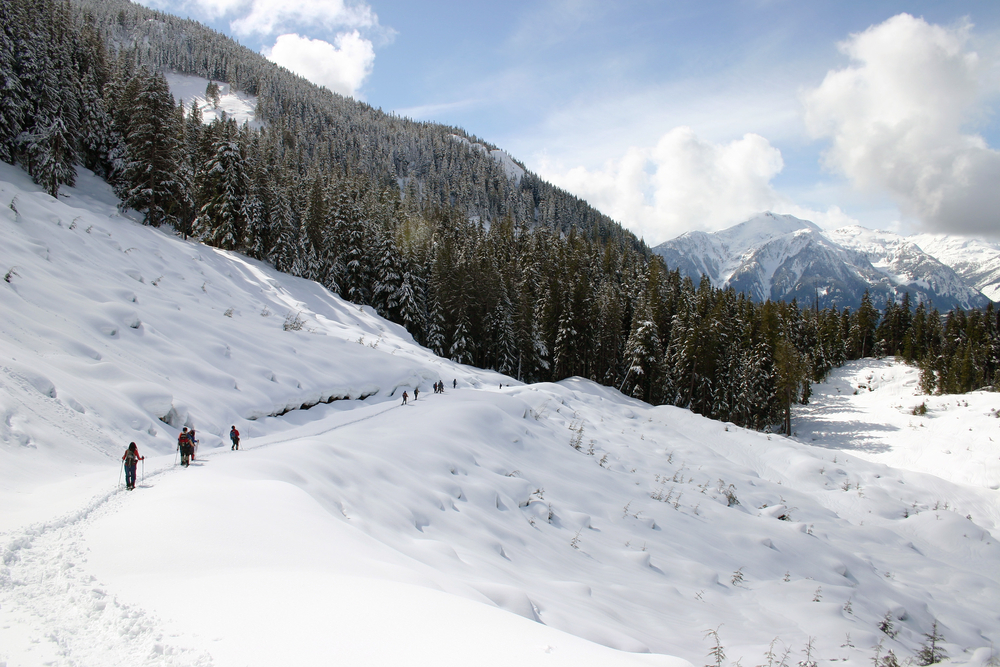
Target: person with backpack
x=194, y=443
x=131, y=458
x=416, y=392
x=405, y=396
x=234, y=435
x=184, y=444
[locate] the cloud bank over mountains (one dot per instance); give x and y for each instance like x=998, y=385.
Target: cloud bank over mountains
x=894, y=120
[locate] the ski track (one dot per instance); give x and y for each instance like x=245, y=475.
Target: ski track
x=74, y=620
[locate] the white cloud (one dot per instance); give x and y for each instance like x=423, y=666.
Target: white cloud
x=267, y=17
x=342, y=67
x=682, y=183
x=895, y=120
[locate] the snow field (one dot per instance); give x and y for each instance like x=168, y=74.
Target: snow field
x=237, y=105
x=547, y=524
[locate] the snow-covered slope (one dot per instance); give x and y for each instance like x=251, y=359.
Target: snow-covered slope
x=237, y=105
x=782, y=257
x=512, y=169
x=554, y=524
x=978, y=262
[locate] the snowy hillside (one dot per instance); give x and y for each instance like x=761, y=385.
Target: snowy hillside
x=234, y=104
x=781, y=257
x=512, y=169
x=555, y=524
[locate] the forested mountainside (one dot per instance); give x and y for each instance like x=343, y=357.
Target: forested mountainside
x=327, y=132
x=489, y=268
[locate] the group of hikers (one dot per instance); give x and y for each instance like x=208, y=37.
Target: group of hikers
x=438, y=389
x=187, y=445
x=187, y=441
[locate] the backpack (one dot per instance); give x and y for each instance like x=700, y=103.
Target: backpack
x=131, y=456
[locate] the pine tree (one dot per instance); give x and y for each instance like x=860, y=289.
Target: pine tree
x=223, y=218
x=149, y=180
x=13, y=99
x=930, y=651
x=643, y=357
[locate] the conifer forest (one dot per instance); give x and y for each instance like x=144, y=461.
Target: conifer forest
x=501, y=271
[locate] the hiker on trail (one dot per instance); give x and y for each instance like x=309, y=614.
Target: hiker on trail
x=416, y=392
x=184, y=444
x=234, y=435
x=454, y=383
x=131, y=459
x=405, y=396
x=194, y=442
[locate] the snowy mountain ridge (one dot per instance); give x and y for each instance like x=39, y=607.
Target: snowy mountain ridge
x=494, y=524
x=781, y=257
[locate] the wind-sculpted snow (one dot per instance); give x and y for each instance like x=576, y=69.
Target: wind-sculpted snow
x=551, y=524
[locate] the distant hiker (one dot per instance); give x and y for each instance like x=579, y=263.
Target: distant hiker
x=131, y=459
x=194, y=443
x=416, y=392
x=184, y=444
x=234, y=435
x=405, y=396
x=454, y=383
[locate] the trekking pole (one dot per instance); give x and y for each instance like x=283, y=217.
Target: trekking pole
x=143, y=461
x=120, y=470
x=175, y=454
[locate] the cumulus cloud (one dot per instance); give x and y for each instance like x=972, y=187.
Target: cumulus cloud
x=895, y=121
x=681, y=184
x=342, y=66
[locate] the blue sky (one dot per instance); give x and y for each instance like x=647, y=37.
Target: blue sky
x=674, y=116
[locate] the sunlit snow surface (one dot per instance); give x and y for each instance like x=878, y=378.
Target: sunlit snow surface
x=235, y=104
x=554, y=524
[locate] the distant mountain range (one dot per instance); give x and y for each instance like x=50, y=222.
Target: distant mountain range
x=781, y=257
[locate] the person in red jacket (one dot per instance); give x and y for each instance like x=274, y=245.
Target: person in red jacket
x=234, y=435
x=131, y=459
x=184, y=444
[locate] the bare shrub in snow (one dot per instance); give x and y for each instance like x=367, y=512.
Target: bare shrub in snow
x=293, y=322
x=717, y=653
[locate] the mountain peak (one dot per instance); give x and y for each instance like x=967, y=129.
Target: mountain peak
x=781, y=257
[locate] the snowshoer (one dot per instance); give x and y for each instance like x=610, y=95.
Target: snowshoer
x=454, y=383
x=234, y=435
x=405, y=396
x=184, y=444
x=131, y=459
x=416, y=392
x=194, y=443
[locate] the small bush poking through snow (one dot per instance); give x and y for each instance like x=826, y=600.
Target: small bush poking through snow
x=293, y=322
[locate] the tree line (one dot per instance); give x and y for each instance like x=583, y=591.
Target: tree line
x=502, y=273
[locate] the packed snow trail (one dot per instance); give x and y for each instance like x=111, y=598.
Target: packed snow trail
x=75, y=619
